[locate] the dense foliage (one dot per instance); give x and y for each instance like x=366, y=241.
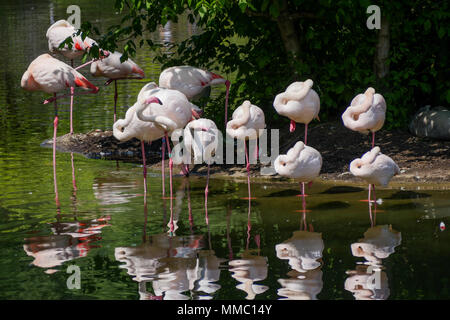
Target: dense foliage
x=252, y=40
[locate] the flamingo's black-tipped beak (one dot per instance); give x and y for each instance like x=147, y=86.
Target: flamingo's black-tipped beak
x=153, y=100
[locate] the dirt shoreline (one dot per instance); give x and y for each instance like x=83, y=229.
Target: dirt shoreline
x=421, y=160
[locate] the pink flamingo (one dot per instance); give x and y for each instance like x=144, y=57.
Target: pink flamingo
x=50, y=75
x=193, y=82
x=366, y=113
x=247, y=123
x=112, y=68
x=300, y=103
x=56, y=34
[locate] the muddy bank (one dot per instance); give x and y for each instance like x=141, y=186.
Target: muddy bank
x=421, y=160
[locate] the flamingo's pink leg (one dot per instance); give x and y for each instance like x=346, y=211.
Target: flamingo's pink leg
x=373, y=139
x=206, y=197
x=72, y=91
x=163, y=151
x=144, y=166
x=55, y=129
x=306, y=133
x=115, y=99
x=227, y=84
x=170, y=179
x=248, y=169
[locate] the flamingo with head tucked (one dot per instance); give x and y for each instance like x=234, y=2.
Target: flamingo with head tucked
x=375, y=168
x=113, y=69
x=247, y=123
x=366, y=112
x=60, y=31
x=201, y=139
x=193, y=82
x=300, y=103
x=301, y=162
x=50, y=75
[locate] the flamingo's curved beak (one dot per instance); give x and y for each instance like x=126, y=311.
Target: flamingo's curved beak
x=196, y=114
x=153, y=100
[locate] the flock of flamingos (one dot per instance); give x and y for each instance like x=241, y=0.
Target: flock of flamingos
x=160, y=110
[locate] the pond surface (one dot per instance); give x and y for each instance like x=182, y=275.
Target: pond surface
x=336, y=247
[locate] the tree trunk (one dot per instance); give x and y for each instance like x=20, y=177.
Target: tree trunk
x=288, y=32
x=381, y=68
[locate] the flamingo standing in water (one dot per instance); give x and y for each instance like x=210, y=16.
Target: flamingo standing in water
x=201, y=136
x=300, y=103
x=301, y=162
x=148, y=121
x=113, y=69
x=193, y=82
x=375, y=168
x=366, y=113
x=50, y=75
x=56, y=34
x=247, y=123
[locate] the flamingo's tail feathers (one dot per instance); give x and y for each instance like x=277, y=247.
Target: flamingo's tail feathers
x=84, y=83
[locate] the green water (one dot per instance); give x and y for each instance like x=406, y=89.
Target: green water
x=124, y=249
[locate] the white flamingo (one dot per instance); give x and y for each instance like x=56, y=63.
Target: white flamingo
x=366, y=112
x=301, y=162
x=300, y=103
x=147, y=120
x=113, y=69
x=247, y=123
x=375, y=168
x=193, y=82
x=201, y=137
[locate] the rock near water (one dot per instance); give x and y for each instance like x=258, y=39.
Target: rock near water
x=432, y=123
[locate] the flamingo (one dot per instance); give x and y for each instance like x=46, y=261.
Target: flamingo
x=60, y=31
x=375, y=168
x=50, y=75
x=300, y=103
x=133, y=127
x=112, y=68
x=193, y=82
x=301, y=162
x=147, y=121
x=56, y=34
x=366, y=113
x=206, y=137
x=304, y=251
x=247, y=123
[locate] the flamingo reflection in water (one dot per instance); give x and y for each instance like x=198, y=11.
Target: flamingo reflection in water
x=175, y=266
x=368, y=281
x=69, y=241
x=304, y=254
x=251, y=267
